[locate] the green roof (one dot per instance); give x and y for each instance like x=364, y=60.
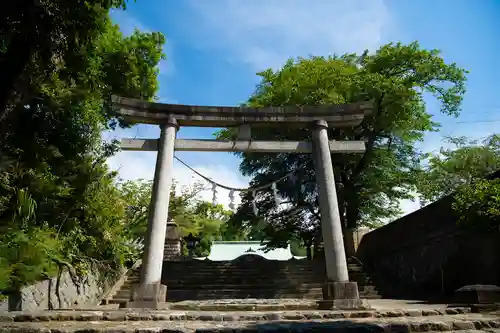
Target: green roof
x=227, y=251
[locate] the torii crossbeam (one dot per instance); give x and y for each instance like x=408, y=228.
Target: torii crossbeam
x=339, y=292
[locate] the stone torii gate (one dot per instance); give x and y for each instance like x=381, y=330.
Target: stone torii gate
x=338, y=291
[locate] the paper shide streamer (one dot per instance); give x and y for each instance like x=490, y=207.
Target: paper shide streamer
x=292, y=178
x=231, y=199
x=254, y=205
x=214, y=194
x=276, y=198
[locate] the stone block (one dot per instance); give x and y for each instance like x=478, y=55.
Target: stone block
x=153, y=305
x=147, y=296
x=478, y=294
x=352, y=239
x=341, y=296
x=155, y=292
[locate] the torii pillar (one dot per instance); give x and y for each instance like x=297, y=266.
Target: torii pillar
x=151, y=289
x=338, y=292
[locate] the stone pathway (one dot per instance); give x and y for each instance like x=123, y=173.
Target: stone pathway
x=463, y=323
x=249, y=304
x=165, y=321
x=255, y=316
x=176, y=315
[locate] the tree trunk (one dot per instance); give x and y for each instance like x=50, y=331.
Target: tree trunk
x=50, y=303
x=351, y=206
x=352, y=214
x=58, y=285
x=15, y=301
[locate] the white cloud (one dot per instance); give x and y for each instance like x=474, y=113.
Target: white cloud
x=127, y=22
x=141, y=165
x=264, y=33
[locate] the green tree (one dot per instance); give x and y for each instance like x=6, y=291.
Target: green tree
x=37, y=35
x=52, y=155
x=200, y=218
x=478, y=203
x=369, y=185
x=462, y=163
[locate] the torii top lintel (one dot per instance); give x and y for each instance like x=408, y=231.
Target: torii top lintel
x=139, y=111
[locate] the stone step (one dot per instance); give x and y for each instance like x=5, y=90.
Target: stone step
x=180, y=297
x=257, y=275
x=317, y=294
x=248, y=284
x=272, y=267
x=247, y=327
x=249, y=273
x=185, y=294
x=206, y=280
x=253, y=271
x=197, y=275
x=240, y=283
x=362, y=291
x=196, y=271
x=269, y=322
x=213, y=285
x=237, y=263
x=216, y=288
x=176, y=295
x=255, y=284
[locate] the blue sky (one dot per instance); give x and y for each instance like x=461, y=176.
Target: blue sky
x=214, y=48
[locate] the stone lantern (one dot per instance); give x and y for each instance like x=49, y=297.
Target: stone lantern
x=308, y=240
x=173, y=248
x=191, y=242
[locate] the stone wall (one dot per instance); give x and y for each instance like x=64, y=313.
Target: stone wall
x=352, y=239
x=427, y=255
x=40, y=295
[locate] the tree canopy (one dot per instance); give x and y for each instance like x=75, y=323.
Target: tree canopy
x=464, y=169
x=370, y=185
x=192, y=215
x=461, y=163
x=478, y=204
x=37, y=36
x=55, y=186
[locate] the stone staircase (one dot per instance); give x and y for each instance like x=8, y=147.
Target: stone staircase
x=250, y=277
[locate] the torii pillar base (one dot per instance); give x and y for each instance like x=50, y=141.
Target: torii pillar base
x=341, y=296
x=151, y=296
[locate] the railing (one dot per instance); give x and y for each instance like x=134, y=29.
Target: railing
x=137, y=243
x=357, y=260
x=118, y=284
